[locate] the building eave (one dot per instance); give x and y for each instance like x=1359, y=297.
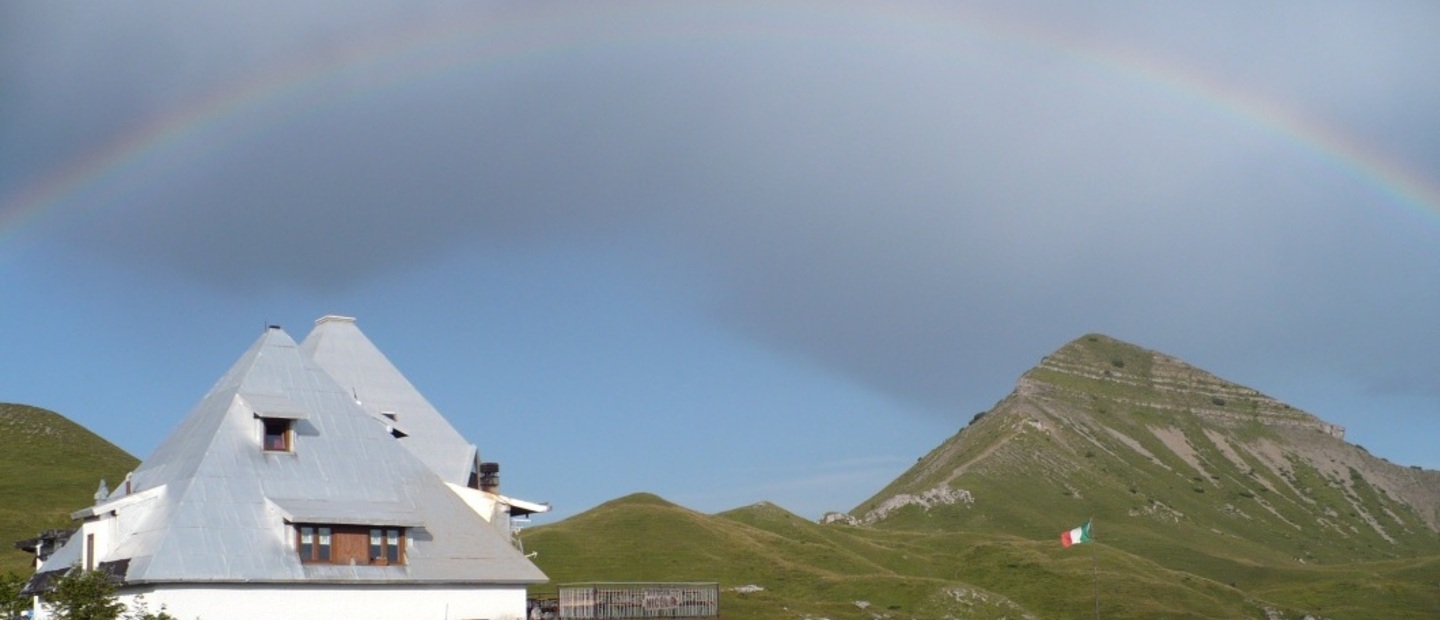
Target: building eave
x=117, y=504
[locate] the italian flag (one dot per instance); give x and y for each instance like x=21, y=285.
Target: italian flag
x=1076, y=536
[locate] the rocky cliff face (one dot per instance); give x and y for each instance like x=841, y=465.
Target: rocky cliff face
x=1166, y=457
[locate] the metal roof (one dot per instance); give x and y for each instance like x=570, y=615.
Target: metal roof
x=275, y=406
x=337, y=345
x=210, y=505
x=347, y=513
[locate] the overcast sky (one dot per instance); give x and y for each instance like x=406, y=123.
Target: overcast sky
x=723, y=252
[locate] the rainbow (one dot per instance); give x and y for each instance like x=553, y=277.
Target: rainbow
x=310, y=84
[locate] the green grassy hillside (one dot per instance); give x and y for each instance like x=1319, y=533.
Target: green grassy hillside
x=50, y=468
x=1175, y=464
x=810, y=570
x=1209, y=500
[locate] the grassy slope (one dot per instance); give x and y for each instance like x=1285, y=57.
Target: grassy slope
x=50, y=468
x=1298, y=534
x=1221, y=534
x=810, y=570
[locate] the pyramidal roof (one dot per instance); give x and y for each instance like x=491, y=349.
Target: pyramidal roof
x=211, y=505
x=337, y=346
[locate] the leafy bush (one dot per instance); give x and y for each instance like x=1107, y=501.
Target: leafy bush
x=13, y=604
x=84, y=595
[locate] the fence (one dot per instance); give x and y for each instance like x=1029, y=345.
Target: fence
x=624, y=601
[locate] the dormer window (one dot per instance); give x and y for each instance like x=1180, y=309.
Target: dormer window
x=346, y=544
x=276, y=434
x=276, y=416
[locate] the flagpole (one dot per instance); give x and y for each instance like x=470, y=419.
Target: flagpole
x=1095, y=568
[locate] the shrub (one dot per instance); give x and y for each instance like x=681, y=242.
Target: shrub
x=13, y=604
x=84, y=595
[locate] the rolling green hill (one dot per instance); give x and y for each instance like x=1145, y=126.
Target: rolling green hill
x=809, y=570
x=50, y=468
x=1209, y=500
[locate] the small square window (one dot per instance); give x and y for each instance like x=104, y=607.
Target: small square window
x=275, y=436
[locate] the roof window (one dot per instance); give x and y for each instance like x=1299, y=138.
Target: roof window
x=277, y=434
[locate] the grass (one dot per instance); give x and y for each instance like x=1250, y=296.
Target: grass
x=811, y=570
x=1210, y=500
x=49, y=469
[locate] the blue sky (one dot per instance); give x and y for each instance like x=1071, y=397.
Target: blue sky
x=723, y=252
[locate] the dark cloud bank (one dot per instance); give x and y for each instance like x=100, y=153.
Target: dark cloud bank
x=886, y=202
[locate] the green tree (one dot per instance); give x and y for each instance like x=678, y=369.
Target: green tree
x=84, y=595
x=12, y=602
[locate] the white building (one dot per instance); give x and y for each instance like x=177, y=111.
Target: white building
x=312, y=481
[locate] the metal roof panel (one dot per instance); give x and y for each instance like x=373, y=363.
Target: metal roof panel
x=221, y=516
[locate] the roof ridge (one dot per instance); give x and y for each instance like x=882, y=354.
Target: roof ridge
x=196, y=427
x=341, y=349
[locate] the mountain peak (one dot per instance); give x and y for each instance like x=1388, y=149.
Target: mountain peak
x=1162, y=450
x=1106, y=373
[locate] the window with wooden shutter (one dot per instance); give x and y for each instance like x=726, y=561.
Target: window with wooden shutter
x=350, y=544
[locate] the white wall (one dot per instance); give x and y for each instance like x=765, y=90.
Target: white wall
x=317, y=602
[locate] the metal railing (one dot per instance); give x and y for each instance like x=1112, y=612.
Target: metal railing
x=623, y=601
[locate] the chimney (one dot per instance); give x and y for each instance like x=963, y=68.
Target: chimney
x=490, y=477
